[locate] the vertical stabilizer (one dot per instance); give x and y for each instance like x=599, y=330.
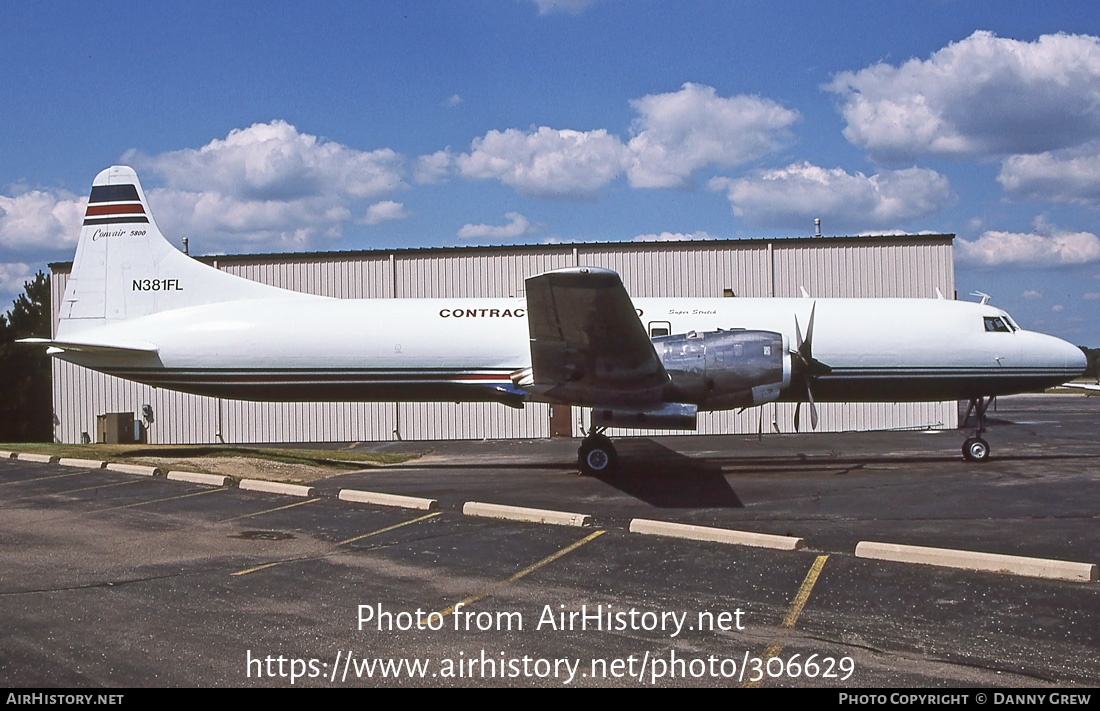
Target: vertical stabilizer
x=125, y=268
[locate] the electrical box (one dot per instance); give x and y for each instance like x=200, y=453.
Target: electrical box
x=115, y=428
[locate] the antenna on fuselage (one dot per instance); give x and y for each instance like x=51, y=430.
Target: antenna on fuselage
x=985, y=297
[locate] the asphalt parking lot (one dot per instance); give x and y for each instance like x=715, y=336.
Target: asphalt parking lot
x=110, y=579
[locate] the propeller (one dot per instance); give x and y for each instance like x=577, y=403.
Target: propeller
x=803, y=351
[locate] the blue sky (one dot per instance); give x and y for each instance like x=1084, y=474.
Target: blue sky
x=345, y=125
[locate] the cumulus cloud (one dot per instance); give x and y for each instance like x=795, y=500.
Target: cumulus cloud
x=434, y=168
x=680, y=132
x=518, y=226
x=1071, y=175
x=1033, y=249
x=1032, y=295
x=385, y=211
x=1091, y=296
x=547, y=162
x=675, y=135
x=982, y=96
x=793, y=196
x=274, y=161
x=268, y=185
x=216, y=222
x=12, y=277
x=38, y=219
x=673, y=236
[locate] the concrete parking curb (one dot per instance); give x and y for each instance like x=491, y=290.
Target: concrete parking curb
x=717, y=535
x=42, y=458
x=275, y=487
x=380, y=499
x=197, y=478
x=8, y=455
x=89, y=463
x=134, y=469
x=973, y=560
x=518, y=513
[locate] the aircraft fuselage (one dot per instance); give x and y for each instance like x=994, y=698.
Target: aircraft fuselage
x=314, y=348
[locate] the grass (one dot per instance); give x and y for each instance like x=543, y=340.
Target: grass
x=133, y=452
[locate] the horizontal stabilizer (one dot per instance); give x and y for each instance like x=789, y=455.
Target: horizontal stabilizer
x=131, y=347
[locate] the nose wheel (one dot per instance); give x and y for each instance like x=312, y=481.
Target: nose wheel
x=596, y=455
x=976, y=449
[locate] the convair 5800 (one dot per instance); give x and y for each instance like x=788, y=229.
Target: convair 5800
x=137, y=308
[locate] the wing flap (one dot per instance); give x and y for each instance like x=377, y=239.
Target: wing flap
x=588, y=345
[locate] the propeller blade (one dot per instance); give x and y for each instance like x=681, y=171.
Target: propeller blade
x=813, y=407
x=808, y=343
x=804, y=352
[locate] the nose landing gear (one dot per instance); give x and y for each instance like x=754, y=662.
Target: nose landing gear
x=976, y=449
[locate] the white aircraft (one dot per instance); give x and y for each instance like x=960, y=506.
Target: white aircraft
x=137, y=308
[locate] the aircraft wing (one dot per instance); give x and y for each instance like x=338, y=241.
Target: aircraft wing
x=588, y=345
x=1083, y=386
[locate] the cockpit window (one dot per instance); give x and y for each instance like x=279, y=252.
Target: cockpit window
x=1011, y=323
x=996, y=323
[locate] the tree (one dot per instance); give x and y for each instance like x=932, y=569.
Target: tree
x=1093, y=356
x=26, y=403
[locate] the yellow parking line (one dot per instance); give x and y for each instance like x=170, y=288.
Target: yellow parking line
x=793, y=613
x=47, y=478
x=267, y=511
x=336, y=545
x=804, y=592
x=258, y=567
x=167, y=498
x=523, y=573
x=387, y=528
x=75, y=491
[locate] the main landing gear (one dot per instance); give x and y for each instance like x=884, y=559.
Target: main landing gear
x=596, y=454
x=976, y=449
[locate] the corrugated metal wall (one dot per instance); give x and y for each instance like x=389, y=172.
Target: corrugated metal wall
x=865, y=266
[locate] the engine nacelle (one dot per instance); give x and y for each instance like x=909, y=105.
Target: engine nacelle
x=669, y=416
x=721, y=370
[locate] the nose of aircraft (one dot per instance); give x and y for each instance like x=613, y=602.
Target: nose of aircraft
x=1056, y=353
x=1075, y=357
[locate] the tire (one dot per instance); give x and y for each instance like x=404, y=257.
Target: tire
x=976, y=449
x=596, y=456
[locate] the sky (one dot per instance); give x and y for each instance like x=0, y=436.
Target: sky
x=302, y=126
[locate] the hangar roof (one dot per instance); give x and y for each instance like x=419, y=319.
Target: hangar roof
x=472, y=249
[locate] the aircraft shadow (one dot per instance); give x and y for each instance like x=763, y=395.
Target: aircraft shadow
x=661, y=477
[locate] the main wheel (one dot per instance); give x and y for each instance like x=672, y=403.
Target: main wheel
x=976, y=449
x=596, y=456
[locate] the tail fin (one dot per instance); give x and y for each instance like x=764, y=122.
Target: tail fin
x=125, y=268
